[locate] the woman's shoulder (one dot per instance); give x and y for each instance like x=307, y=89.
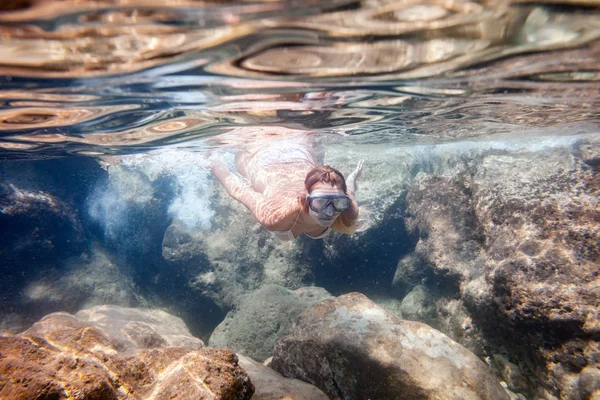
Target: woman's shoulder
x=279, y=212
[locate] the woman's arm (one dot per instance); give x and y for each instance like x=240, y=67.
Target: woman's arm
x=351, y=181
x=237, y=187
x=347, y=220
x=273, y=214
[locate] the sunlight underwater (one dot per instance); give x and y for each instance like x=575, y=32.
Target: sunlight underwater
x=128, y=272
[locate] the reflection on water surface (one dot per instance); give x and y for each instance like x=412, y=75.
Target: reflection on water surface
x=110, y=78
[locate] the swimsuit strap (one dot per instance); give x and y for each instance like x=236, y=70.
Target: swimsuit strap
x=322, y=235
x=296, y=220
x=288, y=234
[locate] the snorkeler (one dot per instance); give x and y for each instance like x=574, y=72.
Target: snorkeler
x=289, y=194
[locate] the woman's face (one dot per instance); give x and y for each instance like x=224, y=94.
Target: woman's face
x=326, y=217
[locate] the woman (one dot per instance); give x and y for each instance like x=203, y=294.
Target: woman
x=289, y=194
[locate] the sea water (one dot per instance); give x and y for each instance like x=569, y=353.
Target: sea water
x=112, y=113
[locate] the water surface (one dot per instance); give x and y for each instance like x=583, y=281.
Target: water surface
x=97, y=78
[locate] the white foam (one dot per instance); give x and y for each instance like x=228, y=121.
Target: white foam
x=191, y=172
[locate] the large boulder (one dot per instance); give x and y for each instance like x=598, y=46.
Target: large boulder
x=516, y=235
x=540, y=215
x=139, y=328
x=263, y=317
x=63, y=355
x=353, y=349
x=38, y=229
x=40, y=210
x=440, y=212
x=37, y=225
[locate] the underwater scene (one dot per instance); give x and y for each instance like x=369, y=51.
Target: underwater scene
x=300, y=200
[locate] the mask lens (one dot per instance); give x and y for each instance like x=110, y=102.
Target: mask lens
x=318, y=203
x=341, y=203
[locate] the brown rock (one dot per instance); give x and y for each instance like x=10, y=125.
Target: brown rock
x=64, y=357
x=140, y=328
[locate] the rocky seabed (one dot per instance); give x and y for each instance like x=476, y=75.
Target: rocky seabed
x=476, y=276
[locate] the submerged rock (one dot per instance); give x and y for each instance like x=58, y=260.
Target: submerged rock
x=263, y=317
x=234, y=257
x=38, y=228
x=140, y=328
x=517, y=235
x=40, y=212
x=62, y=356
x=271, y=385
x=87, y=280
x=130, y=208
x=420, y=305
x=353, y=349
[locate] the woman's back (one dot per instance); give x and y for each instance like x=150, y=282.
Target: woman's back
x=278, y=168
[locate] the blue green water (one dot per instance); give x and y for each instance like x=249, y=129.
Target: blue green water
x=111, y=114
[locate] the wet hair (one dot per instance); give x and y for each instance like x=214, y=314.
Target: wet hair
x=325, y=174
x=335, y=178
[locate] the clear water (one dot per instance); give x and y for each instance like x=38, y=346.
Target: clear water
x=166, y=90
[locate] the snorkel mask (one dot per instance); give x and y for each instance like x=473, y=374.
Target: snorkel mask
x=319, y=203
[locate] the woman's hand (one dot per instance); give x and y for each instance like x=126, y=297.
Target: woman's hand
x=358, y=171
x=219, y=170
x=354, y=175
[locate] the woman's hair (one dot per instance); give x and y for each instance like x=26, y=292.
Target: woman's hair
x=335, y=178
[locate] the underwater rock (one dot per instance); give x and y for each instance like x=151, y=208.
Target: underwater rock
x=589, y=150
x=87, y=280
x=588, y=383
x=270, y=385
x=37, y=229
x=517, y=235
x=420, y=305
x=454, y=320
x=135, y=328
x=353, y=349
x=62, y=355
x=541, y=213
x=440, y=212
x=510, y=373
x=130, y=209
x=410, y=272
x=40, y=210
x=12, y=323
x=390, y=304
x=234, y=257
x=262, y=317
x=37, y=220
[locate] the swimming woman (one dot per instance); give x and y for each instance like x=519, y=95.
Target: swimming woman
x=289, y=194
